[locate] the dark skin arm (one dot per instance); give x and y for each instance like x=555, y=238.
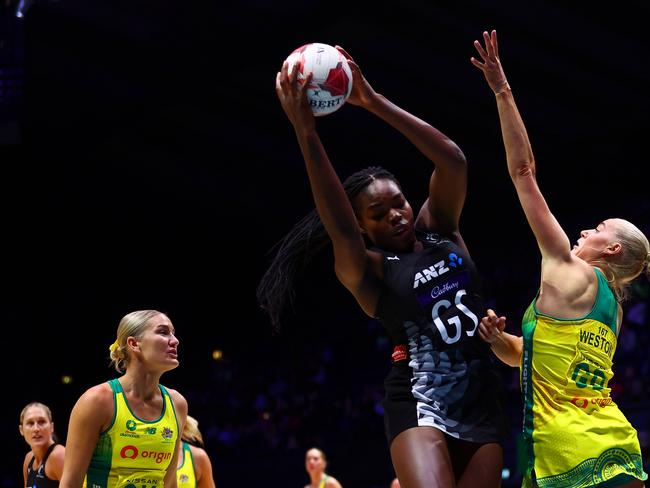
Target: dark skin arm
x=448, y=182
x=332, y=204
x=357, y=268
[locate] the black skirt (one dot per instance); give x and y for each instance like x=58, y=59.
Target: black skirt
x=471, y=411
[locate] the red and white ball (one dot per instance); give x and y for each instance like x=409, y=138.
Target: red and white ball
x=331, y=83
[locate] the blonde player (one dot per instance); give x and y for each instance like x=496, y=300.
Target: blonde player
x=43, y=464
x=194, y=466
x=126, y=432
x=576, y=435
x=315, y=464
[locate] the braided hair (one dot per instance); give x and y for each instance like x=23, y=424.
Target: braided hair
x=305, y=240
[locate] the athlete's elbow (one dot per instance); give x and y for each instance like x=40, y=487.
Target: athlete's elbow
x=457, y=155
x=521, y=170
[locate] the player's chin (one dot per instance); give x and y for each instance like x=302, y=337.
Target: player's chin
x=171, y=363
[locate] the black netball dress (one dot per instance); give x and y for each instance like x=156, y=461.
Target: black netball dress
x=442, y=374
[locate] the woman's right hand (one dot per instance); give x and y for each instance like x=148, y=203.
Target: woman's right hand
x=293, y=98
x=491, y=326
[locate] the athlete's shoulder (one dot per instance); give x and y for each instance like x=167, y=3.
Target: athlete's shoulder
x=202, y=466
x=96, y=403
x=54, y=465
x=199, y=454
x=58, y=451
x=98, y=393
x=28, y=458
x=196, y=450
x=180, y=405
x=176, y=396
x=332, y=482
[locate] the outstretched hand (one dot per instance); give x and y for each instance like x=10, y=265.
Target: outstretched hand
x=491, y=65
x=362, y=93
x=491, y=326
x=293, y=98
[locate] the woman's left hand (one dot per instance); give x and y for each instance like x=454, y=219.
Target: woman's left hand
x=362, y=93
x=491, y=65
x=491, y=327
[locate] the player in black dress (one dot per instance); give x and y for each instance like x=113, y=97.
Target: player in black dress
x=444, y=418
x=37, y=428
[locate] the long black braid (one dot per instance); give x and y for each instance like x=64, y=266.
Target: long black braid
x=304, y=241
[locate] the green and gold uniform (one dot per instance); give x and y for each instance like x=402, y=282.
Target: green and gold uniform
x=575, y=434
x=185, y=474
x=134, y=453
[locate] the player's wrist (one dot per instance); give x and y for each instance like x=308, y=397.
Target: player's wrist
x=502, y=88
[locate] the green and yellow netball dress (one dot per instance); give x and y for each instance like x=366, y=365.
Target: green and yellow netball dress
x=134, y=453
x=575, y=434
x=185, y=475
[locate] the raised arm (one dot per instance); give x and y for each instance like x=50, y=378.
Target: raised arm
x=334, y=209
x=448, y=183
x=551, y=238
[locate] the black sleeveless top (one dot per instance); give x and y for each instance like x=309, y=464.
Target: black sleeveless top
x=431, y=303
x=37, y=479
x=438, y=289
